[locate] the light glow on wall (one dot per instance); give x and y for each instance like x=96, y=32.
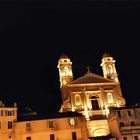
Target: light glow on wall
x=110, y=98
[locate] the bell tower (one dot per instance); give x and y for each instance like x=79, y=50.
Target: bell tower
x=65, y=70
x=109, y=69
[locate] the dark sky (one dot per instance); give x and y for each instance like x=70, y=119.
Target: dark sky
x=35, y=33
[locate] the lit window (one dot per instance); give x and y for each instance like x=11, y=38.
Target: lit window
x=110, y=98
x=110, y=69
x=78, y=100
x=64, y=82
x=66, y=71
x=72, y=121
x=50, y=124
x=10, y=124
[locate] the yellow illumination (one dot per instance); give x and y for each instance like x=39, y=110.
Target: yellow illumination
x=87, y=115
x=106, y=110
x=100, y=132
x=73, y=109
x=78, y=99
x=110, y=98
x=64, y=82
x=65, y=71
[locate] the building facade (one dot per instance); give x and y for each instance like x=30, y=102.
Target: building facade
x=68, y=128
x=34, y=127
x=91, y=95
x=124, y=123
x=8, y=117
x=93, y=108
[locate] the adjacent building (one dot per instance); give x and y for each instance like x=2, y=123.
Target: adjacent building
x=68, y=126
x=8, y=117
x=54, y=128
x=124, y=123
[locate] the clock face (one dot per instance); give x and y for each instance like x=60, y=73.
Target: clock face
x=112, y=77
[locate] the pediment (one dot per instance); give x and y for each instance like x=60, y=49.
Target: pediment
x=90, y=78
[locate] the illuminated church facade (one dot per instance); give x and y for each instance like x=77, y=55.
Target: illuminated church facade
x=93, y=108
x=91, y=95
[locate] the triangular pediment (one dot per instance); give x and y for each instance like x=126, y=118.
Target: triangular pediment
x=90, y=78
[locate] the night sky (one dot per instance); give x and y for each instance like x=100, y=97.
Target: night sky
x=34, y=34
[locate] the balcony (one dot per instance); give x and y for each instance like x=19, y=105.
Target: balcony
x=97, y=112
x=28, y=128
x=130, y=129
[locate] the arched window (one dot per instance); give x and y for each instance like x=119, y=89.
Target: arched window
x=110, y=69
x=66, y=71
x=78, y=100
x=110, y=98
x=94, y=102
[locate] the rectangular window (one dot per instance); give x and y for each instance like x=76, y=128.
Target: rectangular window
x=74, y=137
x=9, y=113
x=129, y=113
x=132, y=123
x=6, y=113
x=52, y=137
x=124, y=138
x=13, y=112
x=28, y=126
x=0, y=125
x=119, y=114
x=10, y=124
x=50, y=124
x=1, y=112
x=72, y=121
x=136, y=138
x=121, y=124
x=28, y=138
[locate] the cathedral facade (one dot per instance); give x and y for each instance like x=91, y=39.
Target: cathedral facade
x=93, y=108
x=91, y=95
